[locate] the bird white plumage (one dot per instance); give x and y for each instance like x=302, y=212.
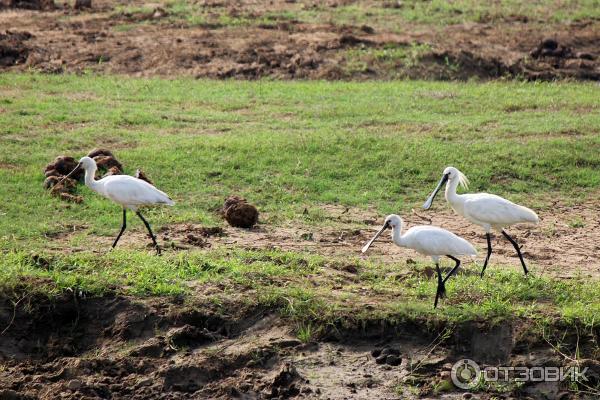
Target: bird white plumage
x=491, y=211
x=125, y=190
x=434, y=242
x=484, y=209
x=129, y=192
x=428, y=240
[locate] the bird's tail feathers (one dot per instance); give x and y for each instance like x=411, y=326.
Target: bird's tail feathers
x=529, y=215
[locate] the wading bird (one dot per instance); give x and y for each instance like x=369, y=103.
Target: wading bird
x=430, y=241
x=483, y=209
x=129, y=192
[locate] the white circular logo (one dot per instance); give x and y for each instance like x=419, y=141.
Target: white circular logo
x=465, y=374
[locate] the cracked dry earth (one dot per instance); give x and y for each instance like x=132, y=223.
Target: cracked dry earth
x=122, y=348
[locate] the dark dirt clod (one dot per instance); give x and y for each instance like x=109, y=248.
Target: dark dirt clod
x=105, y=163
x=189, y=336
x=28, y=4
x=390, y=351
x=393, y=360
x=141, y=175
x=12, y=49
x=239, y=213
x=100, y=152
x=71, y=197
x=113, y=171
x=80, y=4
x=190, y=234
x=382, y=359
x=63, y=165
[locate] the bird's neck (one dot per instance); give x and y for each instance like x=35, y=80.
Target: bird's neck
x=90, y=178
x=397, y=234
x=451, y=196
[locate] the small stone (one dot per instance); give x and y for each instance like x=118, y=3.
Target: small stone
x=376, y=352
x=467, y=395
x=74, y=384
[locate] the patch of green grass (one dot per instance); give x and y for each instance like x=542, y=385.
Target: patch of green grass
x=287, y=146
x=305, y=289
x=440, y=12
x=577, y=223
x=392, y=57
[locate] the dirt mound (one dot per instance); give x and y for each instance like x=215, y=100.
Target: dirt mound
x=187, y=235
x=28, y=4
x=13, y=50
x=56, y=170
x=118, y=347
x=239, y=213
x=141, y=175
x=231, y=42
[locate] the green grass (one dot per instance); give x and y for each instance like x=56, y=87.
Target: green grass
x=379, y=14
x=308, y=288
x=287, y=146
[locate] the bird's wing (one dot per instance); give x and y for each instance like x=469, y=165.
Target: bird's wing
x=496, y=210
x=433, y=240
x=126, y=189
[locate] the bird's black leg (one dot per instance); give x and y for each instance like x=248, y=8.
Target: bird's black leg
x=517, y=248
x=149, y=231
x=489, y=252
x=441, y=290
x=123, y=226
x=453, y=271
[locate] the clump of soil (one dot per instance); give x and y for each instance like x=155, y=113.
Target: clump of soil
x=28, y=4
x=239, y=213
x=58, y=169
x=186, y=235
x=106, y=162
x=141, y=175
x=12, y=49
x=80, y=4
x=164, y=348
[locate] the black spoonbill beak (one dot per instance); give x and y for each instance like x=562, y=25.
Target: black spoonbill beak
x=68, y=176
x=429, y=201
x=383, y=228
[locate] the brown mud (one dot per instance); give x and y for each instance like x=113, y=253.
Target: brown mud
x=117, y=347
x=151, y=43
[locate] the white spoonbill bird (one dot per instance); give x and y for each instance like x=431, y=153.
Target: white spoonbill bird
x=483, y=209
x=129, y=192
x=430, y=241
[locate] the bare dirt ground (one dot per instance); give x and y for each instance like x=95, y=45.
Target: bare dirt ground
x=151, y=42
x=117, y=348
x=560, y=246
